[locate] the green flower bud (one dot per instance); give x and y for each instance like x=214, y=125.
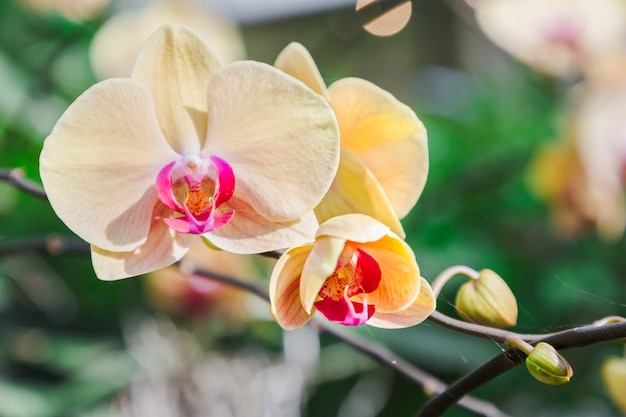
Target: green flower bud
x=614, y=376
x=548, y=366
x=487, y=300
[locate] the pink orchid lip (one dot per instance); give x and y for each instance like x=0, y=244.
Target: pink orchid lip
x=336, y=304
x=564, y=32
x=193, y=177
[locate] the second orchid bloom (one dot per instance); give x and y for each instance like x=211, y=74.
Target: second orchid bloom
x=356, y=272
x=384, y=153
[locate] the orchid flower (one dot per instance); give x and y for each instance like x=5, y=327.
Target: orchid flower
x=601, y=145
x=384, y=151
x=139, y=166
x=581, y=175
x=556, y=176
x=558, y=37
x=356, y=272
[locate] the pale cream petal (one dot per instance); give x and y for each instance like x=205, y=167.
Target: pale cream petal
x=558, y=37
x=356, y=190
x=321, y=263
x=117, y=42
x=99, y=164
x=176, y=66
x=400, y=278
x=353, y=227
x=601, y=146
x=248, y=232
x=280, y=138
x=284, y=288
x=296, y=61
x=416, y=313
x=163, y=248
x=387, y=135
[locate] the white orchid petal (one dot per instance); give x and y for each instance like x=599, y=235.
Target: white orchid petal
x=280, y=138
x=176, y=66
x=99, y=164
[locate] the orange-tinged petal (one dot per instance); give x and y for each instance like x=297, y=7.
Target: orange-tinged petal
x=280, y=138
x=247, y=232
x=353, y=227
x=387, y=135
x=400, y=278
x=321, y=263
x=356, y=190
x=162, y=248
x=296, y=61
x=176, y=66
x=100, y=163
x=417, y=312
x=284, y=288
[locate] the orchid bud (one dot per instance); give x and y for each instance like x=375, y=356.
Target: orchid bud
x=487, y=300
x=614, y=376
x=547, y=365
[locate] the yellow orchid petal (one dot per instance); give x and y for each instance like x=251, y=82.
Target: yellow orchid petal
x=320, y=264
x=399, y=284
x=284, y=288
x=99, y=164
x=280, y=138
x=386, y=135
x=353, y=227
x=176, y=66
x=247, y=232
x=162, y=248
x=417, y=312
x=356, y=190
x=296, y=61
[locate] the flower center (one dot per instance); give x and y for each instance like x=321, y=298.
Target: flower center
x=358, y=276
x=196, y=187
x=335, y=284
x=565, y=33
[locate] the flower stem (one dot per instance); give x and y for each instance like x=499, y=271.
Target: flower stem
x=449, y=273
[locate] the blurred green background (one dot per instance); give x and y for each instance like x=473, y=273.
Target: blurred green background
x=71, y=345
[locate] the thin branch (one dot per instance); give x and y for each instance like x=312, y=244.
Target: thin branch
x=430, y=385
x=485, y=332
x=52, y=244
x=577, y=337
x=189, y=267
x=16, y=177
x=445, y=396
x=380, y=354
x=451, y=272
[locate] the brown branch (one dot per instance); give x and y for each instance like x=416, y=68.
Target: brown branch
x=444, y=396
x=430, y=384
x=16, y=177
x=52, y=244
x=485, y=332
x=577, y=337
